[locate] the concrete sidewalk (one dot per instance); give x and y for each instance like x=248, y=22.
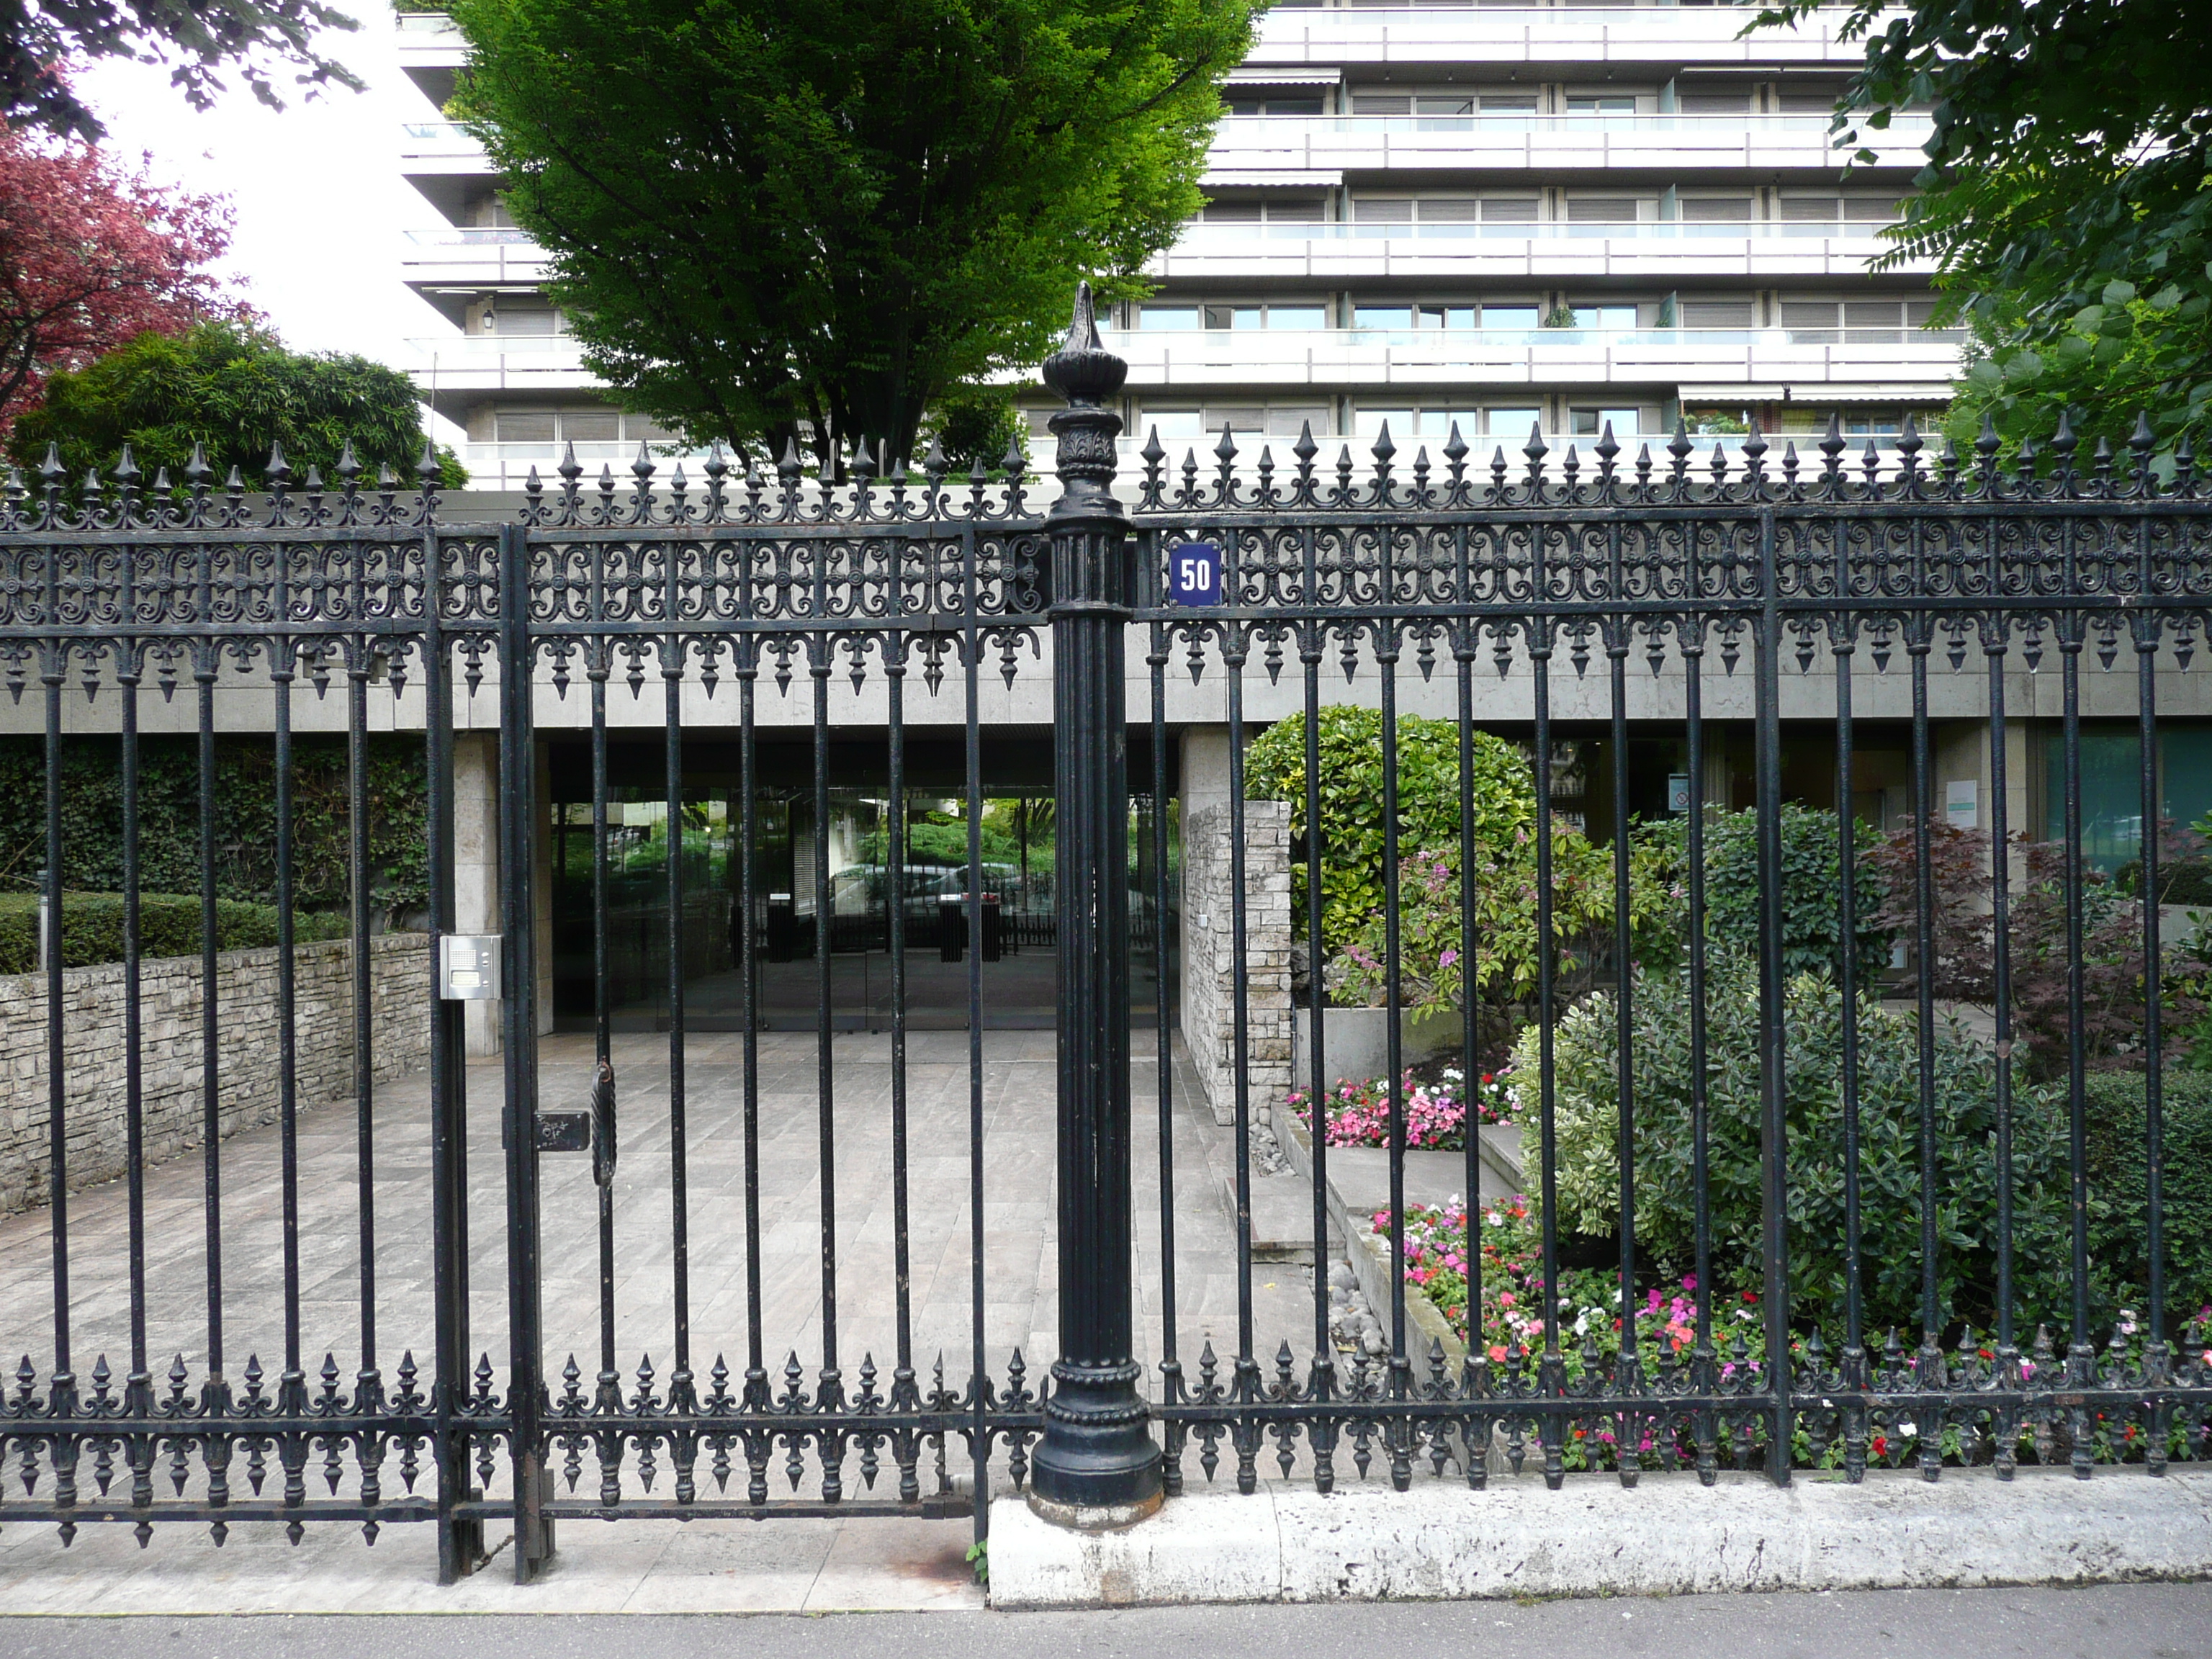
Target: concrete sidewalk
x=2116, y=1621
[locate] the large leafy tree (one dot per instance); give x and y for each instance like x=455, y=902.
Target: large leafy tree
x=766, y=216
x=197, y=38
x=234, y=390
x=2067, y=199
x=91, y=253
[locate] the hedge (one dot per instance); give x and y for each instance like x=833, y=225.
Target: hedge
x=245, y=819
x=168, y=926
x=2119, y=1216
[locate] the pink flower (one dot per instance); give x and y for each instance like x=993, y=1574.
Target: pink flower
x=1447, y=958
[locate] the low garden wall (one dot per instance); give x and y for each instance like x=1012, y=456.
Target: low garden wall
x=170, y=1004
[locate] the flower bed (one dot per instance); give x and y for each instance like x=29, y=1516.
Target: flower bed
x=1358, y=1114
x=1508, y=1331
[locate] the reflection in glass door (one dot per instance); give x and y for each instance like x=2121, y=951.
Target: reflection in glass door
x=1019, y=939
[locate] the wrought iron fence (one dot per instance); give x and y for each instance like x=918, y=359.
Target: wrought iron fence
x=1442, y=578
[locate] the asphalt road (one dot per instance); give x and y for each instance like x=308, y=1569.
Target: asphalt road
x=2130, y=1621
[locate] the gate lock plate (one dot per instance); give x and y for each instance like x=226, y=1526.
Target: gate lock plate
x=564, y=1132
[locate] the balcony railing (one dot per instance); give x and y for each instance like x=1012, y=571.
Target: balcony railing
x=1197, y=237
x=1142, y=339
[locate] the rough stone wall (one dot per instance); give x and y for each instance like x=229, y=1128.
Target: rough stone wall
x=169, y=1050
x=1209, y=1013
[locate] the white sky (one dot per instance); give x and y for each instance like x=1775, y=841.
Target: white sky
x=319, y=202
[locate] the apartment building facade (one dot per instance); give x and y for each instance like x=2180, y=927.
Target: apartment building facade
x=1491, y=216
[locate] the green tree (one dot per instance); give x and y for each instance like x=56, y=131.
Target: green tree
x=235, y=390
x=196, y=37
x=768, y=217
x=2065, y=199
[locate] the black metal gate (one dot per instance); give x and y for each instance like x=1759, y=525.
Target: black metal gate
x=733, y=586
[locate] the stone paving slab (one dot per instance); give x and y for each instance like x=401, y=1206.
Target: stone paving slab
x=795, y=1565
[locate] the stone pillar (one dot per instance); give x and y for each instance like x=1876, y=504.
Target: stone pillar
x=1204, y=773
x=1210, y=1003
x=476, y=864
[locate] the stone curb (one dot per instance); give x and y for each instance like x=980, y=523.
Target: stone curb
x=1669, y=1536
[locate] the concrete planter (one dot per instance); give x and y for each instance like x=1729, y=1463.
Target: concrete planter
x=1355, y=1042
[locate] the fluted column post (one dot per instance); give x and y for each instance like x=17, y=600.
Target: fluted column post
x=1097, y=1465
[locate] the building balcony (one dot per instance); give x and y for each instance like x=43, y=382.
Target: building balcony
x=1659, y=249
x=1549, y=144
x=473, y=363
x=471, y=257
x=1347, y=358
x=1507, y=37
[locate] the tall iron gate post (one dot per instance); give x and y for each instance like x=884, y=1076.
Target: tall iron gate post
x=1097, y=1462
x=518, y=825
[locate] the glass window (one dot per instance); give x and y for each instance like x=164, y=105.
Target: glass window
x=1605, y=104
x=1511, y=314
x=1294, y=106
x=1871, y=209
x=1152, y=317
x=1810, y=100
x=1439, y=422
x=2112, y=786
x=1297, y=316
x=1717, y=209
x=1447, y=316
x=1808, y=314
x=1514, y=422
x=1450, y=103
x=1288, y=420
x=1369, y=422
x=1722, y=101
x=1234, y=317
x=1373, y=103
x=522, y=319
x=1511, y=209
x=1450, y=209
x=1382, y=316
x=1174, y=425
x=1872, y=313
x=1603, y=313
x=1384, y=209
x=517, y=426
x=1718, y=314
x=1299, y=210
x=1232, y=213
x=1242, y=420
x=1515, y=103
x=1871, y=422
x=590, y=425
x=1592, y=422
x=1604, y=210
x=1807, y=208
x=636, y=427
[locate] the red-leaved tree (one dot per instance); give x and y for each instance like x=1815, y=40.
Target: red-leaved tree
x=93, y=254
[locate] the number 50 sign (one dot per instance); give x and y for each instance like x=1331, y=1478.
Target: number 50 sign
x=1195, y=574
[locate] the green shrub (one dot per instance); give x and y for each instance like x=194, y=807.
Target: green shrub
x=168, y=926
x=245, y=815
x=2119, y=1231
x=1587, y=1117
x=1351, y=826
x=1812, y=910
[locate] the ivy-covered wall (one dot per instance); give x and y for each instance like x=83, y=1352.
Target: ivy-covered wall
x=245, y=818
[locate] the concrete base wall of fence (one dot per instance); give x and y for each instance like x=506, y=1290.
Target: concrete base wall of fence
x=1209, y=1009
x=1355, y=1042
x=170, y=1004
x=1669, y=1536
